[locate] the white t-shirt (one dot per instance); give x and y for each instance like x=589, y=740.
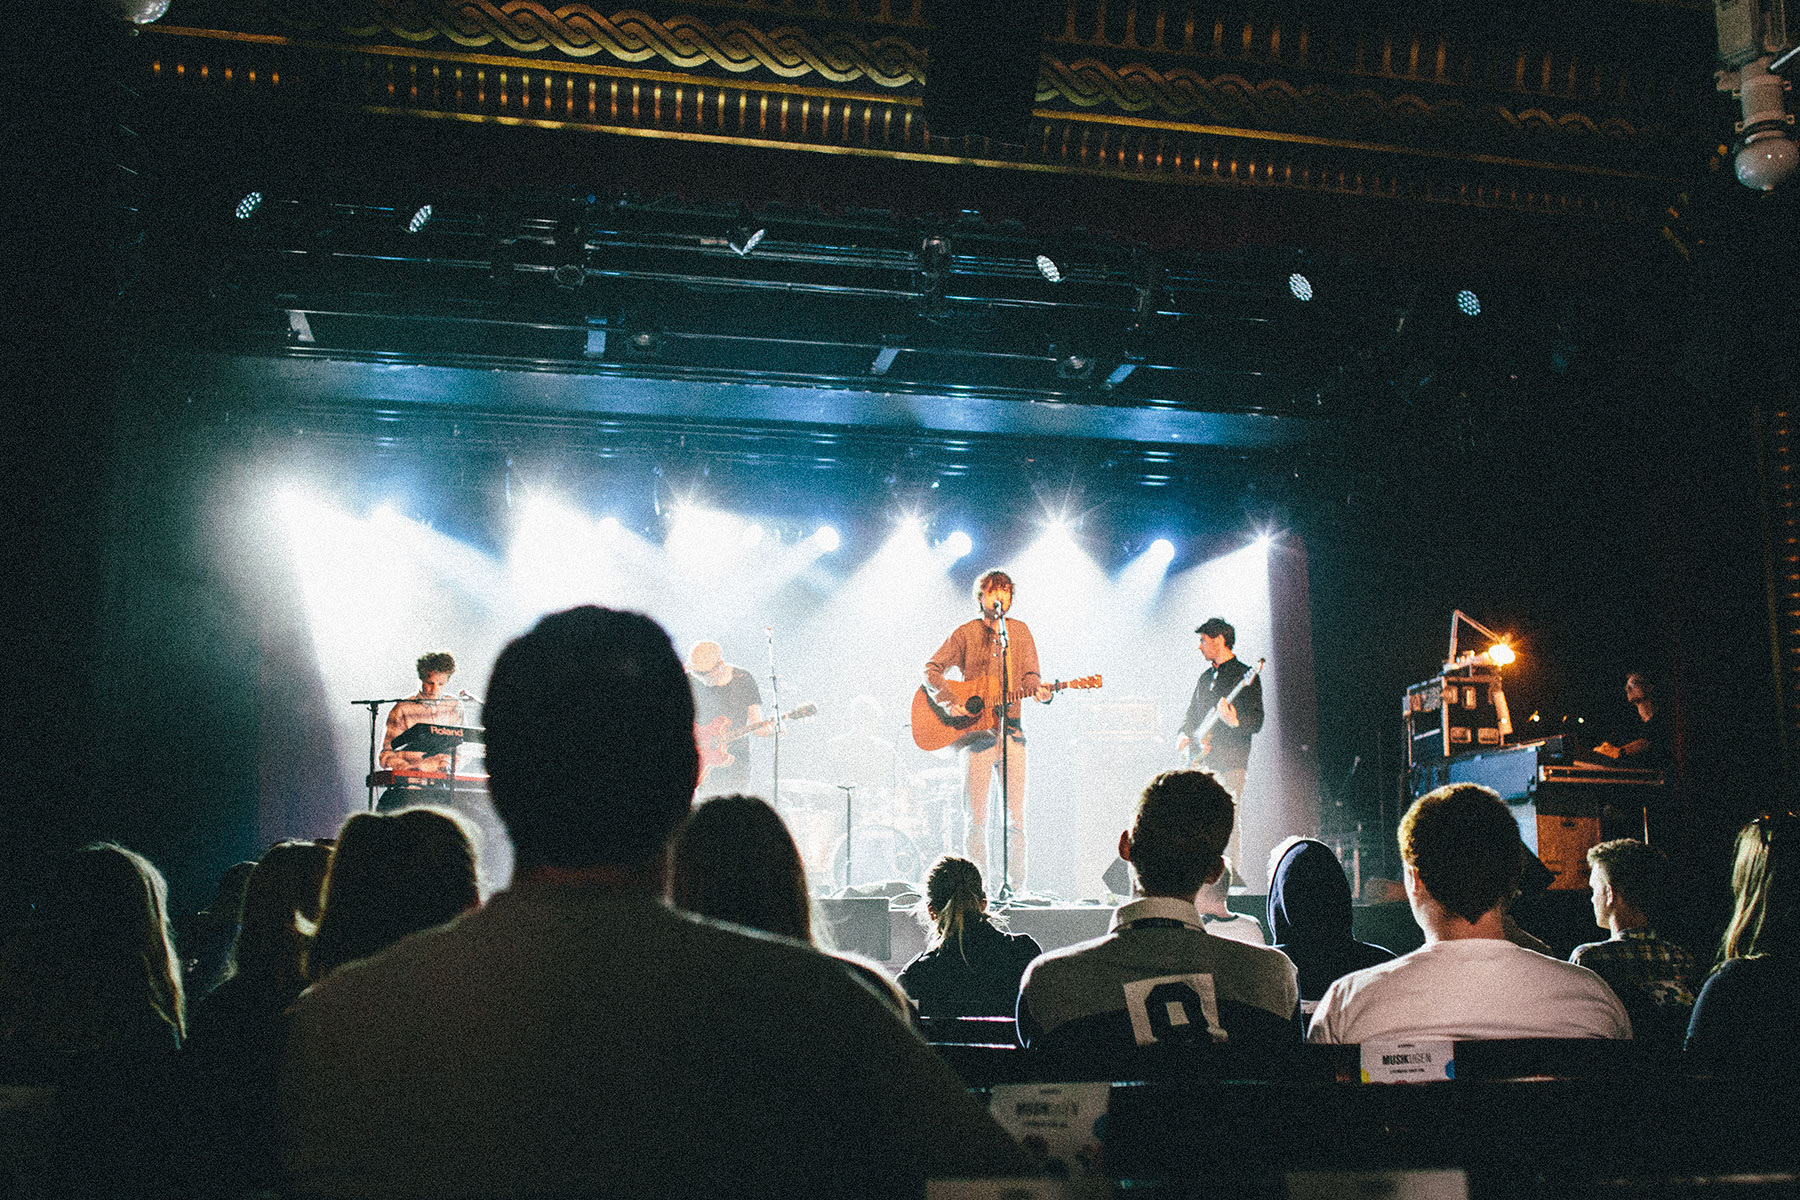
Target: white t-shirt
x=1469, y=989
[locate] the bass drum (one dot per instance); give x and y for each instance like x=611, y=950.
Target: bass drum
x=879, y=853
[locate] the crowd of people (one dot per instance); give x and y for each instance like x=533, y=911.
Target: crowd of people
x=646, y=1010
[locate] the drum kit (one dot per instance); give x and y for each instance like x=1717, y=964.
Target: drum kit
x=855, y=835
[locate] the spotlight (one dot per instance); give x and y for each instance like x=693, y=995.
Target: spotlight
x=1300, y=286
x=1048, y=269
x=420, y=219
x=644, y=341
x=1500, y=654
x=1163, y=548
x=827, y=538
x=1767, y=155
x=609, y=526
x=753, y=536
x=958, y=544
x=744, y=239
x=570, y=276
x=1469, y=303
x=246, y=208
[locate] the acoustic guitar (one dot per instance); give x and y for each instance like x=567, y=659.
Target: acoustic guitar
x=933, y=727
x=715, y=737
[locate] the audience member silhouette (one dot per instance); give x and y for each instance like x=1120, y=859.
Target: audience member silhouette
x=576, y=1035
x=1747, y=1017
x=233, y=1052
x=91, y=1011
x=205, y=938
x=392, y=874
x=1158, y=978
x=93, y=976
x=1653, y=977
x=734, y=860
x=1463, y=860
x=1310, y=916
x=970, y=967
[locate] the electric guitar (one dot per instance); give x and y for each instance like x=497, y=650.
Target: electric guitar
x=933, y=727
x=714, y=738
x=1200, y=741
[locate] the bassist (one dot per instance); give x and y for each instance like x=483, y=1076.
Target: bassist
x=973, y=650
x=1225, y=748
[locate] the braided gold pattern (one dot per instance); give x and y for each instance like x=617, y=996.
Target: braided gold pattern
x=1184, y=92
x=580, y=31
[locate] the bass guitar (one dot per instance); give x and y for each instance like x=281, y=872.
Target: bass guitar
x=933, y=727
x=1199, y=742
x=715, y=738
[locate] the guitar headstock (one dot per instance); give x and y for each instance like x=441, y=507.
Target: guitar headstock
x=805, y=710
x=1084, y=683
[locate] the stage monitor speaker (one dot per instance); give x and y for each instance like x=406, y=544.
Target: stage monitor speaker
x=981, y=68
x=859, y=924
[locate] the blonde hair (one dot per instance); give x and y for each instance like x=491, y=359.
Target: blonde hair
x=1765, y=912
x=954, y=900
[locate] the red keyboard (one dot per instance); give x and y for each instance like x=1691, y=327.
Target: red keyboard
x=413, y=777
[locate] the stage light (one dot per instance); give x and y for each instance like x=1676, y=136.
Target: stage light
x=827, y=538
x=1469, y=303
x=420, y=219
x=246, y=208
x=1163, y=548
x=1048, y=269
x=570, y=276
x=1300, y=286
x=1500, y=654
x=610, y=526
x=958, y=544
x=752, y=537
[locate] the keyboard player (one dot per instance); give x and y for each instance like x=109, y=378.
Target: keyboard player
x=431, y=703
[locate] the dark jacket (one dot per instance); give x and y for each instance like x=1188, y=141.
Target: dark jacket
x=976, y=975
x=1309, y=916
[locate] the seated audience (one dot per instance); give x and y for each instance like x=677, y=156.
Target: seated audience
x=1213, y=903
x=576, y=1035
x=1309, y=912
x=1463, y=858
x=734, y=860
x=1746, y=1018
x=1159, y=977
x=970, y=967
x=1652, y=977
x=392, y=874
x=91, y=1013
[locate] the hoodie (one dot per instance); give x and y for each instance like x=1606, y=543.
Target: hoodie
x=1309, y=914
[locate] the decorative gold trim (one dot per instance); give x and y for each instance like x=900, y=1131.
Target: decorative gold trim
x=580, y=31
x=529, y=64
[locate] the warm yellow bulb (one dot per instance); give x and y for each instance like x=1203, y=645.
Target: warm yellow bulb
x=1500, y=654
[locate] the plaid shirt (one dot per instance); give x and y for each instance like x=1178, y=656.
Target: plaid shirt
x=1637, y=960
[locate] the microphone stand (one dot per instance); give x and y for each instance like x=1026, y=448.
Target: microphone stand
x=775, y=700
x=1005, y=894
x=849, y=790
x=374, y=707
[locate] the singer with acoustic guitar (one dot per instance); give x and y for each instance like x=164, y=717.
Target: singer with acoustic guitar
x=1224, y=747
x=973, y=650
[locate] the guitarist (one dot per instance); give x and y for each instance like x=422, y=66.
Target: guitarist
x=1225, y=750
x=973, y=649
x=722, y=690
